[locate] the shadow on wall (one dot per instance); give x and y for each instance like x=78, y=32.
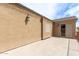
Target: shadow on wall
x=77, y=36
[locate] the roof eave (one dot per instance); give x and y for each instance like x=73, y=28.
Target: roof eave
x=66, y=18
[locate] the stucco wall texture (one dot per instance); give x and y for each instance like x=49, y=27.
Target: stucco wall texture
x=47, y=28
x=13, y=30
x=57, y=26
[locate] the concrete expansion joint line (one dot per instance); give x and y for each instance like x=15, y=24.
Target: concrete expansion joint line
x=68, y=47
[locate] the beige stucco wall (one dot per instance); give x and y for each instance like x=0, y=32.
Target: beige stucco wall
x=13, y=31
x=57, y=25
x=47, y=28
x=55, y=29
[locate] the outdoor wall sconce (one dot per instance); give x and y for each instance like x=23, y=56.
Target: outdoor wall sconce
x=27, y=19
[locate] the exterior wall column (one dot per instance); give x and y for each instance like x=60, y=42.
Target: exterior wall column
x=41, y=20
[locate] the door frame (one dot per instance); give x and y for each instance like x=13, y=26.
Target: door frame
x=63, y=30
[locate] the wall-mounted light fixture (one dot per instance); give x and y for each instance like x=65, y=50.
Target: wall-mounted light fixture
x=27, y=19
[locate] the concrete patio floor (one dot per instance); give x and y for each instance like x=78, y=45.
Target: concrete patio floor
x=53, y=46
